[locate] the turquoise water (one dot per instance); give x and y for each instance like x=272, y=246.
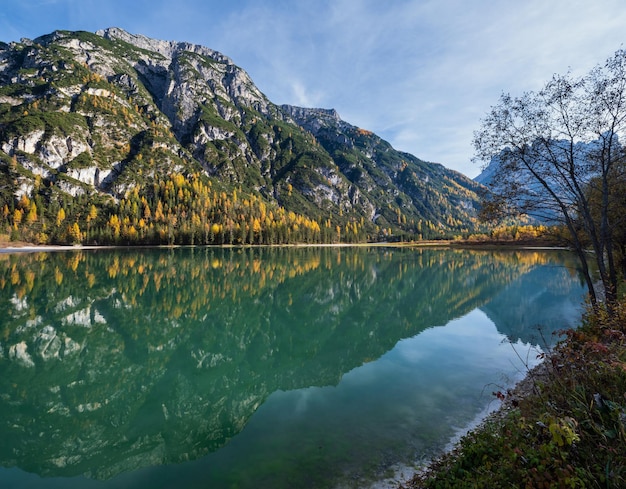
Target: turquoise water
x=282, y=367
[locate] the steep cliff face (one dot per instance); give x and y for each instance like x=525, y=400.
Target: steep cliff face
x=98, y=115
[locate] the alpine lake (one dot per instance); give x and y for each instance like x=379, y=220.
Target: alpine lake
x=294, y=367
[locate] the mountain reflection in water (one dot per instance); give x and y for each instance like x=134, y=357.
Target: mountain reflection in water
x=312, y=364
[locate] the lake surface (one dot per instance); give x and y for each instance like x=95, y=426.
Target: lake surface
x=258, y=367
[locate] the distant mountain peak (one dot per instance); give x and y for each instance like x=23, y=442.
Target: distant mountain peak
x=313, y=119
x=166, y=48
x=304, y=112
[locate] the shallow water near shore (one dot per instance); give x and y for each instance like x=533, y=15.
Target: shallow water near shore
x=258, y=367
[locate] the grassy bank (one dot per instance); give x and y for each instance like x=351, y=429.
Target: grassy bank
x=565, y=429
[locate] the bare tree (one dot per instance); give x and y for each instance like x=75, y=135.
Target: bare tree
x=556, y=148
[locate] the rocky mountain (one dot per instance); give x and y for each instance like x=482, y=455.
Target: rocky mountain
x=89, y=120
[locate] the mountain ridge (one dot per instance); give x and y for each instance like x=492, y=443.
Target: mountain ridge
x=87, y=119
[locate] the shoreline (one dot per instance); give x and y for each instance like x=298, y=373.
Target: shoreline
x=405, y=475
x=51, y=248
x=524, y=388
x=7, y=247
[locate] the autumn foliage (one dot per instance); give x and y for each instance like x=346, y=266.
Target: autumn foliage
x=175, y=209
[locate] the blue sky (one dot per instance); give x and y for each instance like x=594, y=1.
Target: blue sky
x=419, y=73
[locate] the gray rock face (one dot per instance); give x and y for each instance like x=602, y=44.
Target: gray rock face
x=183, y=76
x=168, y=49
